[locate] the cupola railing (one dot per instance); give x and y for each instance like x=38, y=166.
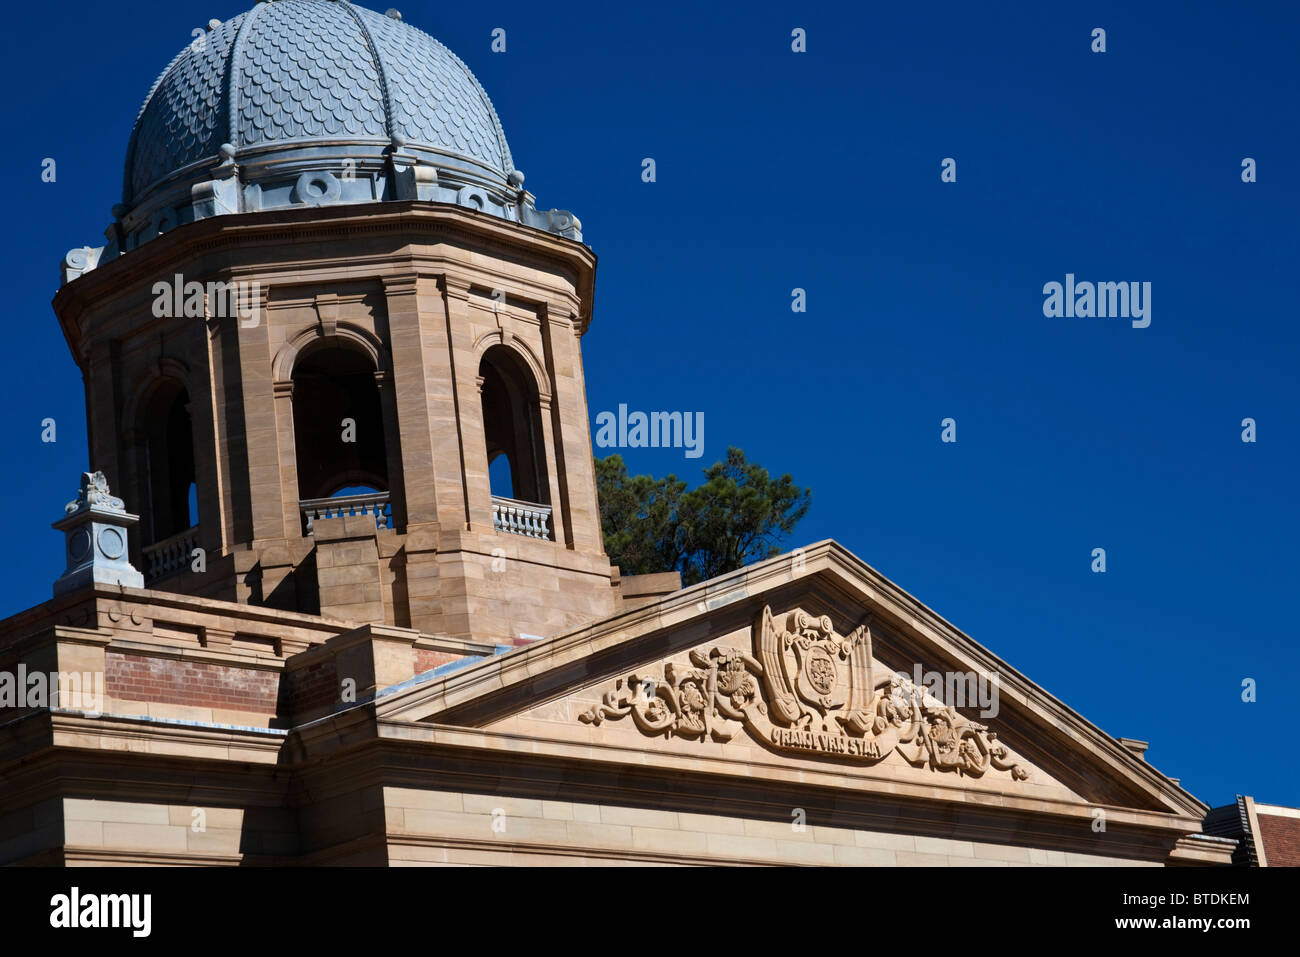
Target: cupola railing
x=170, y=555
x=521, y=518
x=368, y=503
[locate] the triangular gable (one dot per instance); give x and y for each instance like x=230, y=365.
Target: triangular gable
x=804, y=666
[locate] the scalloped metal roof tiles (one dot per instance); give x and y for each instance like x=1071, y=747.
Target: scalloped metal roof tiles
x=310, y=69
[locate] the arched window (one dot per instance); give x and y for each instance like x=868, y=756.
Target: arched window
x=338, y=427
x=512, y=423
x=169, y=478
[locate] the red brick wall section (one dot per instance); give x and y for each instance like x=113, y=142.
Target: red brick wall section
x=1281, y=837
x=203, y=685
x=314, y=686
x=426, y=660
x=193, y=683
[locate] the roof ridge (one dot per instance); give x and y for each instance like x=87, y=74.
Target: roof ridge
x=232, y=75
x=379, y=68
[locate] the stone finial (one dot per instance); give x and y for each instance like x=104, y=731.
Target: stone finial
x=94, y=492
x=95, y=526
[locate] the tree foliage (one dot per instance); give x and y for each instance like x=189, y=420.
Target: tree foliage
x=738, y=515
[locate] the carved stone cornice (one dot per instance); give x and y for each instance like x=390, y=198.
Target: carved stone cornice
x=261, y=244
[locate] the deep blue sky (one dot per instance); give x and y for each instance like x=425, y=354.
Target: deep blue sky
x=821, y=171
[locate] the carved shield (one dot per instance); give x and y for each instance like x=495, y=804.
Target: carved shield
x=822, y=677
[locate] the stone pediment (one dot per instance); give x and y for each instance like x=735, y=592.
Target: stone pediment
x=810, y=668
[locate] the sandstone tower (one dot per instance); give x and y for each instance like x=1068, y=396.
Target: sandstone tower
x=328, y=315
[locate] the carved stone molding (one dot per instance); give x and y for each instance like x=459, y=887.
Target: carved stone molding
x=806, y=690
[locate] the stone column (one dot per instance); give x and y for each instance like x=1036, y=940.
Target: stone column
x=266, y=503
x=287, y=457
x=417, y=337
x=228, y=403
x=572, y=432
x=555, y=473
x=472, y=439
x=207, y=450
x=392, y=447
x=411, y=395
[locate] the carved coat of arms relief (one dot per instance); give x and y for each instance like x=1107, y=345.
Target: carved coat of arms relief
x=806, y=690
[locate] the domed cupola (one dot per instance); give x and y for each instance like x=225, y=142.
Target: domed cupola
x=310, y=103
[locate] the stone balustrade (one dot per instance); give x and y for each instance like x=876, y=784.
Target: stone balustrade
x=369, y=503
x=521, y=518
x=171, y=555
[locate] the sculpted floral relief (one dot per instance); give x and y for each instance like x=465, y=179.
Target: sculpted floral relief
x=808, y=690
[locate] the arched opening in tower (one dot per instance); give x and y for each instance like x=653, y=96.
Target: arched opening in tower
x=512, y=423
x=337, y=423
x=169, y=478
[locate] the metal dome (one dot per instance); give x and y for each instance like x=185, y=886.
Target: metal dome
x=311, y=71
x=312, y=102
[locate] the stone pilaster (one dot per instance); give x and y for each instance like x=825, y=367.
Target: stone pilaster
x=472, y=456
x=261, y=438
x=411, y=399
x=571, y=431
